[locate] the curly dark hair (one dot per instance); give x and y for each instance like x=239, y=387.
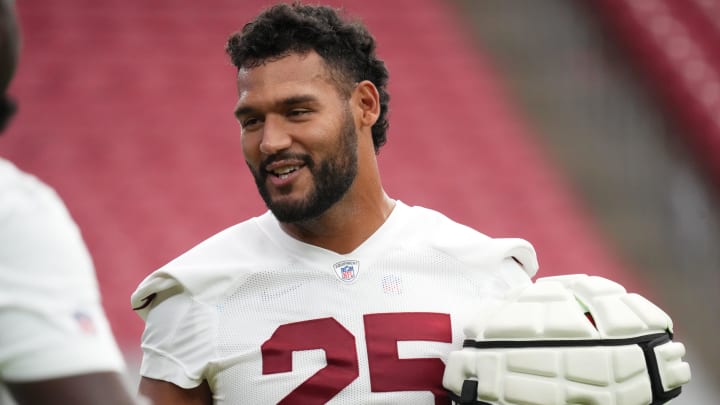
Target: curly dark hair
x=347, y=48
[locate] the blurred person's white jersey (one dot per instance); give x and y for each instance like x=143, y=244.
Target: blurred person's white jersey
x=52, y=323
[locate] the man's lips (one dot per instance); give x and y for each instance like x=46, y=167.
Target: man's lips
x=282, y=171
x=283, y=168
x=284, y=163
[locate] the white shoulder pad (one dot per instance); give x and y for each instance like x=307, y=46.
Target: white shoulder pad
x=571, y=307
x=568, y=339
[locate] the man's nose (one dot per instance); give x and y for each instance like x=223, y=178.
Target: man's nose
x=276, y=136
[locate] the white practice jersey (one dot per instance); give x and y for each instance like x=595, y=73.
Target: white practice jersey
x=267, y=319
x=51, y=320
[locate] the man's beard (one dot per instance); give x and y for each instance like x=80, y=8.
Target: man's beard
x=332, y=179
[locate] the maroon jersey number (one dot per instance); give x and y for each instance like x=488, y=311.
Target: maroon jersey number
x=325, y=333
x=387, y=371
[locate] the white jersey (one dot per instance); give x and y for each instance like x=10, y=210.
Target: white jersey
x=266, y=319
x=51, y=320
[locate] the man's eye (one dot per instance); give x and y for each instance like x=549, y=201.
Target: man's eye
x=298, y=112
x=249, y=122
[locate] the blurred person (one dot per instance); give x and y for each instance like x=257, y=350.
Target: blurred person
x=338, y=293
x=56, y=346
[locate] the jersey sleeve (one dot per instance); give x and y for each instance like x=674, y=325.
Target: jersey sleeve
x=513, y=273
x=502, y=264
x=178, y=341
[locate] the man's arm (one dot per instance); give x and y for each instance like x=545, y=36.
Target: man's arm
x=88, y=389
x=166, y=393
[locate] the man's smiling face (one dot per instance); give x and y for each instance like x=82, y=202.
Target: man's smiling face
x=298, y=135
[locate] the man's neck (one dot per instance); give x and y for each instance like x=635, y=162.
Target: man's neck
x=345, y=226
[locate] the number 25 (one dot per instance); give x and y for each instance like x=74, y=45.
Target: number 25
x=387, y=371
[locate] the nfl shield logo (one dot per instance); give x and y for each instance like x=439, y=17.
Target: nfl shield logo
x=347, y=270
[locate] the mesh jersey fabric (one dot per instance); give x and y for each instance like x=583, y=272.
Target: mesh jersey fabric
x=52, y=323
x=267, y=319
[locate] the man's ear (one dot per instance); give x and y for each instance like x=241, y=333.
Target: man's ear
x=366, y=101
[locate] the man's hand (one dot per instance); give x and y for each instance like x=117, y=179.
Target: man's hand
x=570, y=339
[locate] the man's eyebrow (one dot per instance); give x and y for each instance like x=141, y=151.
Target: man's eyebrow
x=286, y=102
x=290, y=101
x=240, y=111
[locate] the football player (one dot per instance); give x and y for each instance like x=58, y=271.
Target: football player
x=56, y=346
x=339, y=293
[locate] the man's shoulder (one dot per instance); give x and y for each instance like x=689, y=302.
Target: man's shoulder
x=208, y=268
x=427, y=222
x=435, y=230
x=239, y=240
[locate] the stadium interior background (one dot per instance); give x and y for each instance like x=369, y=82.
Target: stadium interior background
x=589, y=128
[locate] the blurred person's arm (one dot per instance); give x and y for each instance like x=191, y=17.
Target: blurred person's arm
x=166, y=393
x=105, y=388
